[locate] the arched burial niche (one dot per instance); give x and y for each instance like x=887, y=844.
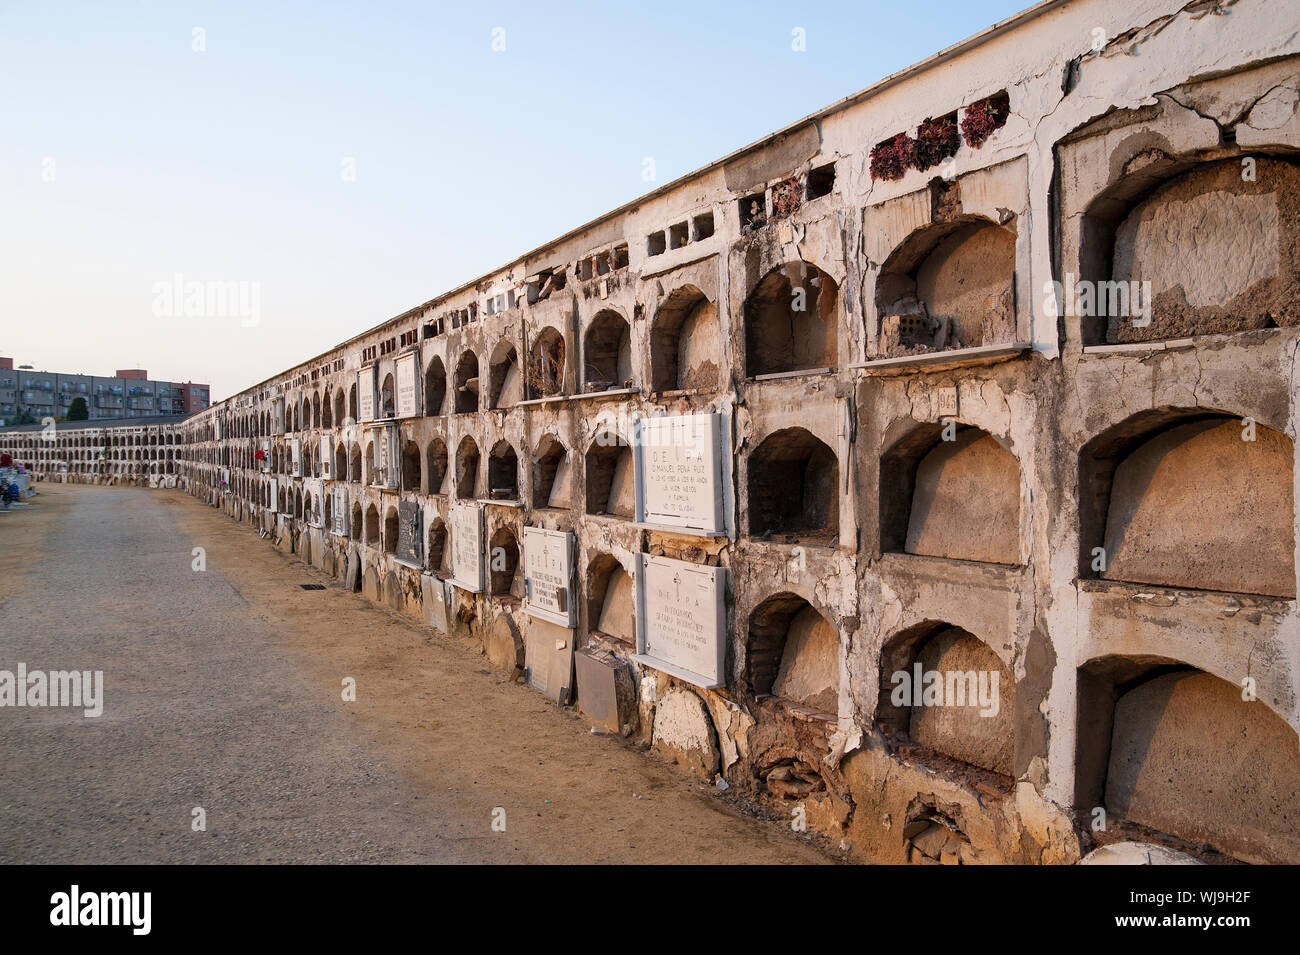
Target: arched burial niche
x=437, y=555
x=503, y=472
x=611, y=601
x=327, y=411
x=685, y=343
x=546, y=364
x=340, y=462
x=390, y=530
x=793, y=653
x=790, y=321
x=607, y=352
x=354, y=466
x=551, y=473
x=610, y=488
x=372, y=526
x=411, y=467
x=354, y=525
x=467, y=469
x=340, y=408
x=435, y=387
x=1221, y=253
x=962, y=705
x=1176, y=497
x=467, y=383
x=957, y=498
x=387, y=398
x=503, y=564
x=794, y=489
x=352, y=403
x=435, y=466
x=506, y=384
x=1178, y=749
x=951, y=285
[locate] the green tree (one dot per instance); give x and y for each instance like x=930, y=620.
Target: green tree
x=77, y=411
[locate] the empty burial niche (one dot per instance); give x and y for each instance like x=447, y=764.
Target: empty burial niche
x=341, y=462
x=1178, y=750
x=467, y=469
x=656, y=243
x=504, y=565
x=354, y=526
x=962, y=703
x=372, y=526
x=790, y=321
x=958, y=499
x=950, y=286
x=794, y=655
x=551, y=482
x=821, y=182
x=685, y=344
x=436, y=552
x=435, y=387
x=607, y=352
x=679, y=235
x=702, y=226
x=411, y=467
x=340, y=407
x=611, y=609
x=387, y=399
x=467, y=383
x=1189, y=500
x=1202, y=253
x=354, y=465
x=507, y=386
x=546, y=372
x=390, y=531
x=794, y=489
x=609, y=476
x=436, y=466
x=503, y=472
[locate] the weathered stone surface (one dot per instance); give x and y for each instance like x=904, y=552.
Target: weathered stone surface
x=961, y=731
x=504, y=647
x=684, y=733
x=967, y=501
x=810, y=664
x=1199, y=507
x=1189, y=756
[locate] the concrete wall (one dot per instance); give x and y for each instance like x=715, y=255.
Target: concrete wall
x=1076, y=437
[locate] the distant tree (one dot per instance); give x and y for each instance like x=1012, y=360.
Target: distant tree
x=77, y=411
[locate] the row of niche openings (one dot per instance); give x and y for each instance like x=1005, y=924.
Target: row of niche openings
x=681, y=235
x=758, y=209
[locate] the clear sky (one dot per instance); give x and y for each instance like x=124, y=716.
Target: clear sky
x=350, y=161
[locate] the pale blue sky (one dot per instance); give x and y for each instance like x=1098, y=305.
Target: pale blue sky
x=127, y=157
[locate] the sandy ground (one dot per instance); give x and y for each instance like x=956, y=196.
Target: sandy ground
x=223, y=691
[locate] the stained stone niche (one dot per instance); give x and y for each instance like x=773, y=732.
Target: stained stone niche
x=1190, y=758
x=1222, y=253
x=1196, y=506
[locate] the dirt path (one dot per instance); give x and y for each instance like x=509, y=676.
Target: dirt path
x=223, y=691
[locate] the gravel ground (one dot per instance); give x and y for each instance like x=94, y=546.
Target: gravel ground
x=222, y=691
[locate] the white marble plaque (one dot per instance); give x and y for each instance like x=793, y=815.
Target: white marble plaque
x=326, y=457
x=548, y=572
x=275, y=495
x=277, y=416
x=366, y=393
x=340, y=513
x=408, y=396
x=681, y=619
x=467, y=546
x=295, y=450
x=680, y=478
